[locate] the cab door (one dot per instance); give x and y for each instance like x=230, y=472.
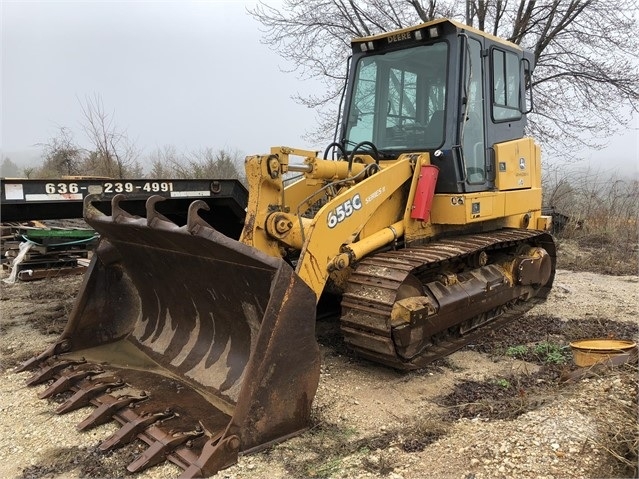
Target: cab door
x=477, y=170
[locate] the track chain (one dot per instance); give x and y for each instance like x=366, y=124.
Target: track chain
x=372, y=288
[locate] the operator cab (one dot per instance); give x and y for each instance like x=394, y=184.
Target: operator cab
x=440, y=87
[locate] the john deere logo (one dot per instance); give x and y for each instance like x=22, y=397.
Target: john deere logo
x=522, y=163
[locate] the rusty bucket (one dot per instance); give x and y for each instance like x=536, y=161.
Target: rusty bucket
x=198, y=345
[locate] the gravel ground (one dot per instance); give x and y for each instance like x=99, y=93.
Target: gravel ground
x=370, y=421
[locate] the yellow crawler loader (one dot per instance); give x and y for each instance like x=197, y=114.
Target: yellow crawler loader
x=424, y=214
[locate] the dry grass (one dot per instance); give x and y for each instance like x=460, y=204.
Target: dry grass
x=603, y=226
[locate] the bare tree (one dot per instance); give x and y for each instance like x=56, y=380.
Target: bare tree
x=586, y=82
x=114, y=155
x=203, y=163
x=162, y=160
x=62, y=156
x=222, y=164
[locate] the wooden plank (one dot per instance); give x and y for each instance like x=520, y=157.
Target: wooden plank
x=35, y=274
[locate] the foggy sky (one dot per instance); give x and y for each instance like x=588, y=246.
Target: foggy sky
x=188, y=74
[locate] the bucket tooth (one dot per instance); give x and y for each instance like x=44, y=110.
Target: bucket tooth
x=216, y=455
x=163, y=446
x=67, y=381
x=90, y=211
x=155, y=219
x=52, y=351
x=129, y=431
x=119, y=215
x=193, y=219
x=109, y=406
x=88, y=391
x=30, y=364
x=49, y=372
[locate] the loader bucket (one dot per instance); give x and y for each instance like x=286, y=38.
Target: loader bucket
x=198, y=345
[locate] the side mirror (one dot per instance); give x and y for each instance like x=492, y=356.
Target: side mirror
x=527, y=107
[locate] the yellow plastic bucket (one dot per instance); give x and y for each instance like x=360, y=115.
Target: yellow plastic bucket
x=587, y=352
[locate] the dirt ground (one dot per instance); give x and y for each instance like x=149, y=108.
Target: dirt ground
x=498, y=408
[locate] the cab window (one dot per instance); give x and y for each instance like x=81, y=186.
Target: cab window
x=506, y=86
x=399, y=99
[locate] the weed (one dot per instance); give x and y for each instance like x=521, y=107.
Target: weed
x=324, y=469
x=517, y=351
x=544, y=352
x=551, y=353
x=504, y=383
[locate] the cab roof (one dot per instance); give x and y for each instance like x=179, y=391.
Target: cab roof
x=461, y=27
